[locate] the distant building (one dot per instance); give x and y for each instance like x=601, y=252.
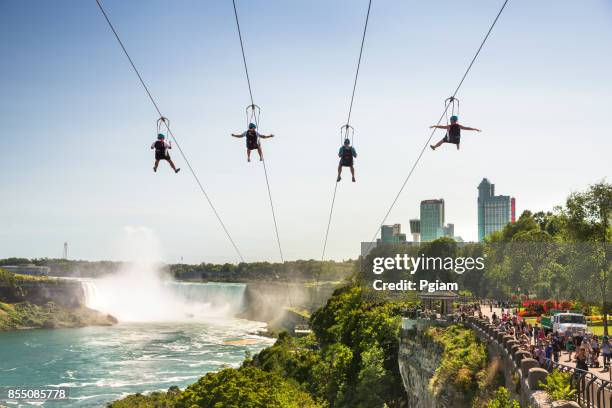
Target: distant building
x=494, y=212
x=415, y=229
x=447, y=231
x=391, y=233
x=28, y=269
x=432, y=219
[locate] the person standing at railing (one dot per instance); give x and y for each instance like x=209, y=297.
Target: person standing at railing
x=581, y=360
x=556, y=346
x=570, y=346
x=596, y=349
x=548, y=350
x=606, y=351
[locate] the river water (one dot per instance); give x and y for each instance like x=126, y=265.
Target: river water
x=141, y=353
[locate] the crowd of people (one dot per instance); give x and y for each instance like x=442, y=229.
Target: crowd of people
x=588, y=350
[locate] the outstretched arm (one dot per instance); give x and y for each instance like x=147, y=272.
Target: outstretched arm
x=239, y=135
x=266, y=137
x=468, y=128
x=439, y=127
x=153, y=146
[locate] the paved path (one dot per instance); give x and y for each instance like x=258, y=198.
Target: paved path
x=605, y=374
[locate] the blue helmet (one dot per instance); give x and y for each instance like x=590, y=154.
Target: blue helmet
x=454, y=118
x=160, y=136
x=252, y=126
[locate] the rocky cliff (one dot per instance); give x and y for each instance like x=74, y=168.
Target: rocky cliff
x=419, y=357
x=27, y=302
x=283, y=305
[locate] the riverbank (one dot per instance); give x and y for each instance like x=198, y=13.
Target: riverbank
x=26, y=315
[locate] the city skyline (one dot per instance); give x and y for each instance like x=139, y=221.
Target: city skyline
x=494, y=213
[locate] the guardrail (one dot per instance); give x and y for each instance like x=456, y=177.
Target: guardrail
x=592, y=391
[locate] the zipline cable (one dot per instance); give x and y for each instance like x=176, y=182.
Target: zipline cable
x=329, y=220
x=348, y=120
x=146, y=88
x=438, y=123
x=365, y=28
x=246, y=70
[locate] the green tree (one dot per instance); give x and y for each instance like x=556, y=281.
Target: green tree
x=246, y=387
x=588, y=216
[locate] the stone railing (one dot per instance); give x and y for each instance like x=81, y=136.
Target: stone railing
x=519, y=362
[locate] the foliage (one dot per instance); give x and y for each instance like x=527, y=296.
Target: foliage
x=246, y=387
x=351, y=360
x=301, y=270
x=25, y=315
x=463, y=363
x=7, y=278
x=558, y=386
x=153, y=400
x=502, y=400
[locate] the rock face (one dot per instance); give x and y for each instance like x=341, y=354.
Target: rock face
x=283, y=305
x=418, y=360
x=47, y=303
x=417, y=366
x=65, y=293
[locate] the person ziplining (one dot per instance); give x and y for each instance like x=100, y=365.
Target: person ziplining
x=162, y=147
x=346, y=153
x=161, y=152
x=252, y=140
x=453, y=132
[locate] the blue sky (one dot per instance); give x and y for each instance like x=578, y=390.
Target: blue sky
x=77, y=126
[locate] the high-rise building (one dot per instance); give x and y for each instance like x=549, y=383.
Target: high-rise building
x=447, y=231
x=494, y=212
x=391, y=233
x=415, y=229
x=432, y=219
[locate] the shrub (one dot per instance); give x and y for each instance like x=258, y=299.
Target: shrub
x=558, y=386
x=502, y=400
x=244, y=387
x=463, y=361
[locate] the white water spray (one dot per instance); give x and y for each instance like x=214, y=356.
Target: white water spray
x=140, y=293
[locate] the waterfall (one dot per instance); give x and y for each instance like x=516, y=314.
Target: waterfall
x=163, y=300
x=140, y=292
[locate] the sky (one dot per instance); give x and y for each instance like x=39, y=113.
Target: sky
x=77, y=126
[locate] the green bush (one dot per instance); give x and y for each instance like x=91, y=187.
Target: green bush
x=558, y=386
x=502, y=400
x=246, y=387
x=464, y=360
x=352, y=358
x=153, y=400
x=7, y=278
